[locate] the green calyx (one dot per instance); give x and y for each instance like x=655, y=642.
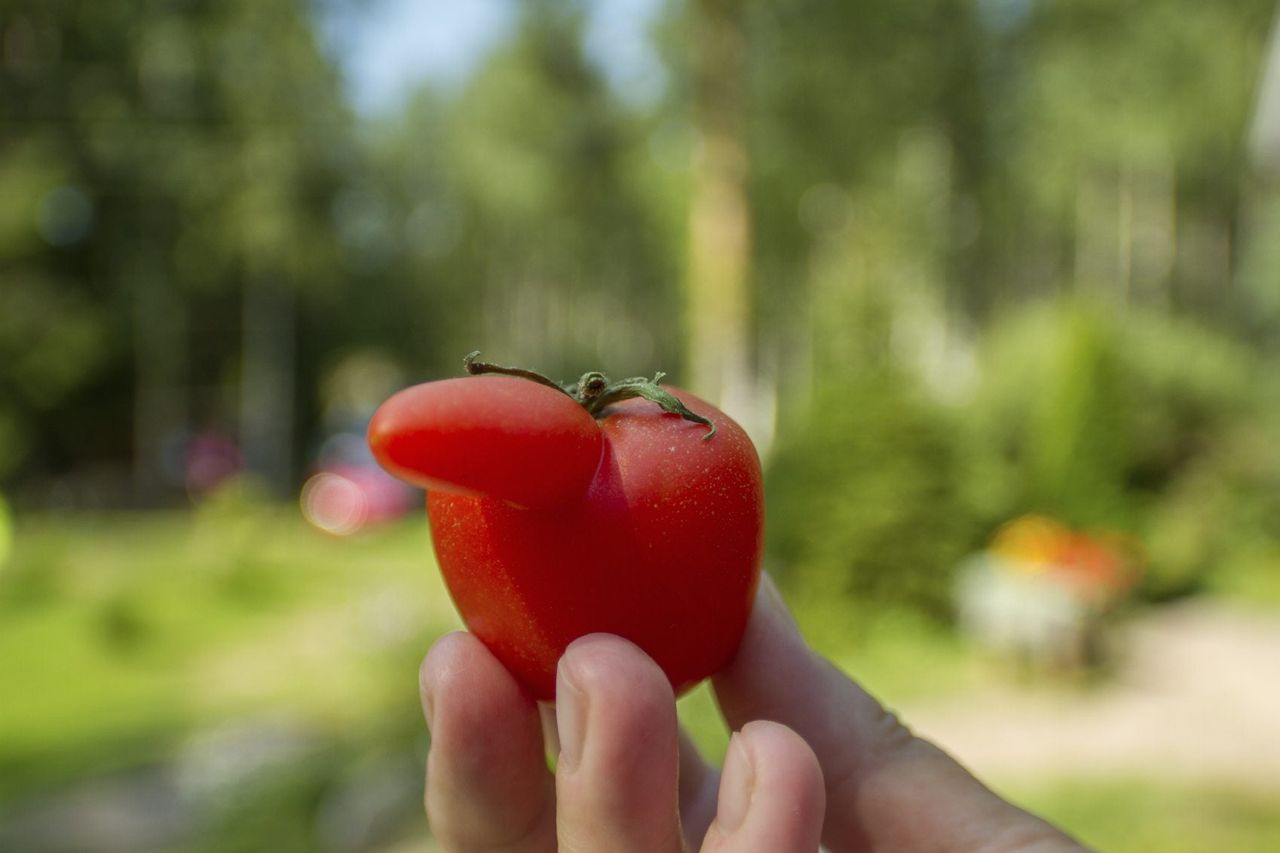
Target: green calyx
x=595, y=392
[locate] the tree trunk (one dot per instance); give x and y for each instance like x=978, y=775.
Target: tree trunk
x=718, y=302
x=160, y=347
x=1259, y=254
x=160, y=364
x=267, y=382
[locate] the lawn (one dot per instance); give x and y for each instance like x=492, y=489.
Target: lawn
x=121, y=634
x=1154, y=814
x=272, y=668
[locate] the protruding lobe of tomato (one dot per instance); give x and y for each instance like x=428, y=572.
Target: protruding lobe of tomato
x=499, y=436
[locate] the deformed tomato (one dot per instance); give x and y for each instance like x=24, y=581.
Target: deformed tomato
x=558, y=511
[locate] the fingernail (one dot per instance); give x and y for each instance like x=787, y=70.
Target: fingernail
x=571, y=717
x=736, y=783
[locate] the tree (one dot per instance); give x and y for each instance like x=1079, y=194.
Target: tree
x=170, y=161
x=529, y=232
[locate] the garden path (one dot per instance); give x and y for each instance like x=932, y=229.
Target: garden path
x=1195, y=696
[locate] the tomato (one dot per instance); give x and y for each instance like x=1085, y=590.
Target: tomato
x=552, y=518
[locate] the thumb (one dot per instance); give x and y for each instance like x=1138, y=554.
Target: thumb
x=886, y=788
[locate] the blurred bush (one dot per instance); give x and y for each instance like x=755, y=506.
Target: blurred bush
x=1125, y=421
x=1137, y=423
x=866, y=503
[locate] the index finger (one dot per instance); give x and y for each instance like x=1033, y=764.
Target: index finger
x=886, y=788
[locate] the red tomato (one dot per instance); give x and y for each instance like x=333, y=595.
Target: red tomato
x=549, y=524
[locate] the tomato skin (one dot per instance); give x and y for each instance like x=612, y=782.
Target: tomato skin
x=663, y=547
x=494, y=435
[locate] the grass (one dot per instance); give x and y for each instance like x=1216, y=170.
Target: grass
x=131, y=630
x=123, y=636
x=1145, y=814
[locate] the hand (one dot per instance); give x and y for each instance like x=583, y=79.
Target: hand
x=814, y=757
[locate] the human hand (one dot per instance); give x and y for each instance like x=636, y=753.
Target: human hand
x=813, y=757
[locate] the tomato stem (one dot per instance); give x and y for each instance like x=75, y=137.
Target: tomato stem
x=595, y=392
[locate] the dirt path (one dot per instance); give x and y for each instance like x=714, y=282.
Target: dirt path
x=1197, y=697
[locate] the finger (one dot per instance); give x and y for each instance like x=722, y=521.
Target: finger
x=550, y=737
x=699, y=784
x=886, y=789
x=487, y=781
x=616, y=777
x=771, y=794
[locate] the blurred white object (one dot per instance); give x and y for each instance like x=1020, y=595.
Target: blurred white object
x=1024, y=613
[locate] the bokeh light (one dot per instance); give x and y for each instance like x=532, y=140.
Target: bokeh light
x=334, y=504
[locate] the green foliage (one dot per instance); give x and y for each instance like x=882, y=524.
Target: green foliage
x=866, y=507
x=152, y=162
x=1217, y=526
x=1109, y=86
x=1134, y=422
x=868, y=494
x=530, y=226
x=836, y=93
x=160, y=164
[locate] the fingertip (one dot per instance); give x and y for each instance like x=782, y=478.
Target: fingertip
x=616, y=779
x=442, y=663
x=786, y=759
x=606, y=680
x=447, y=657
x=609, y=666
x=591, y=646
x=771, y=792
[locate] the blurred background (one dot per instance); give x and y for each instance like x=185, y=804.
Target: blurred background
x=994, y=284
